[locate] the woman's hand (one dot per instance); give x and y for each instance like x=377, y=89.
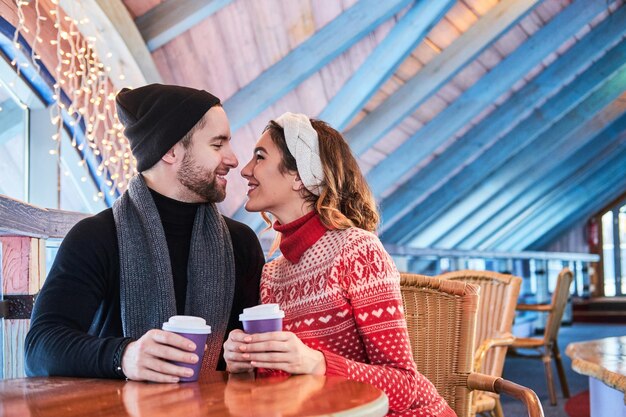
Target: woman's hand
x=283, y=351
x=234, y=347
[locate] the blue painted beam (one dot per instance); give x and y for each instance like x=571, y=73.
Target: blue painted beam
x=583, y=214
x=384, y=60
x=430, y=220
x=436, y=73
x=615, y=189
x=475, y=180
x=483, y=93
x=587, y=189
x=505, y=117
x=576, y=192
x=523, y=167
x=170, y=18
x=517, y=153
x=595, y=184
x=519, y=196
x=311, y=55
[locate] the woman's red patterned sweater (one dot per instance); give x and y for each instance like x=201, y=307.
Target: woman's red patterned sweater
x=340, y=291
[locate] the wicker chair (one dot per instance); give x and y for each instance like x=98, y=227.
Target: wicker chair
x=441, y=320
x=496, y=311
x=547, y=346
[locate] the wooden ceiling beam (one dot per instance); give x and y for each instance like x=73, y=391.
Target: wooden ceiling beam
x=596, y=88
x=441, y=69
x=503, y=119
x=507, y=218
x=407, y=33
x=536, y=138
x=601, y=181
x=523, y=183
x=306, y=59
x=615, y=190
x=483, y=93
x=170, y=18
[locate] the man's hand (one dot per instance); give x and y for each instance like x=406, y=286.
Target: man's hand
x=283, y=351
x=234, y=347
x=147, y=359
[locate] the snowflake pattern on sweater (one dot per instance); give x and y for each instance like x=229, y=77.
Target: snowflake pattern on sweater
x=343, y=299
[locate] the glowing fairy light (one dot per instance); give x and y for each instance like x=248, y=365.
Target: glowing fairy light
x=83, y=93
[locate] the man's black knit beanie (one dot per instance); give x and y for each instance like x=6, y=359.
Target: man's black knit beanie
x=156, y=116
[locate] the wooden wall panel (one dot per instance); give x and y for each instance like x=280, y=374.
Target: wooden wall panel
x=23, y=268
x=15, y=264
x=13, y=345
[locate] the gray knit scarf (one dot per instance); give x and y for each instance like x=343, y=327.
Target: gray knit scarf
x=146, y=282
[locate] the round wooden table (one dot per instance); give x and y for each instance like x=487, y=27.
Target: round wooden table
x=604, y=361
x=215, y=394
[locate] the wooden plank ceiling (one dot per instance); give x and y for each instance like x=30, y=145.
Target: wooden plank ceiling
x=481, y=124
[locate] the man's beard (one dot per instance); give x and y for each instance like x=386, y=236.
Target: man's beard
x=200, y=181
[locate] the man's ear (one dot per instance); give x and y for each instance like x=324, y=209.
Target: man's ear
x=175, y=153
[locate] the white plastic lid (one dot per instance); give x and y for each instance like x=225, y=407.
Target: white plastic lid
x=187, y=324
x=262, y=312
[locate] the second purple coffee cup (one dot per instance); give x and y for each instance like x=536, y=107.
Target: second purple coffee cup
x=262, y=318
x=194, y=329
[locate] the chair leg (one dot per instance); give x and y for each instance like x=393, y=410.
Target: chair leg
x=497, y=411
x=559, y=366
x=547, y=363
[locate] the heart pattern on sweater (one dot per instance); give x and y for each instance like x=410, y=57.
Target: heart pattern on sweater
x=378, y=312
x=391, y=310
x=363, y=316
x=343, y=313
x=308, y=321
x=325, y=319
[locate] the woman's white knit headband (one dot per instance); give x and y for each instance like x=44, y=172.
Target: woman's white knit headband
x=303, y=143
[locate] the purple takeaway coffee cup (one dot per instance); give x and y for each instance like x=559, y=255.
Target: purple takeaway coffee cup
x=262, y=318
x=194, y=329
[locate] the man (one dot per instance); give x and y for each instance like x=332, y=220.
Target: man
x=162, y=249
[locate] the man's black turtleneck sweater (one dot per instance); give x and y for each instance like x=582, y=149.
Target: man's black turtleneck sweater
x=76, y=326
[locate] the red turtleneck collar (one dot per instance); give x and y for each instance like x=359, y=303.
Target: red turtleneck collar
x=299, y=235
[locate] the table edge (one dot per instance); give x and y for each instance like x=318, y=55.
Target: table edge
x=376, y=408
x=593, y=369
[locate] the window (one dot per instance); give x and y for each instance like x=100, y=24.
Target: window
x=29, y=171
x=614, y=250
x=78, y=190
x=13, y=145
x=622, y=246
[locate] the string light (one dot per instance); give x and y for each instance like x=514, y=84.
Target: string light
x=83, y=90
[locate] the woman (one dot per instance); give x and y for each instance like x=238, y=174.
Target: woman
x=337, y=285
